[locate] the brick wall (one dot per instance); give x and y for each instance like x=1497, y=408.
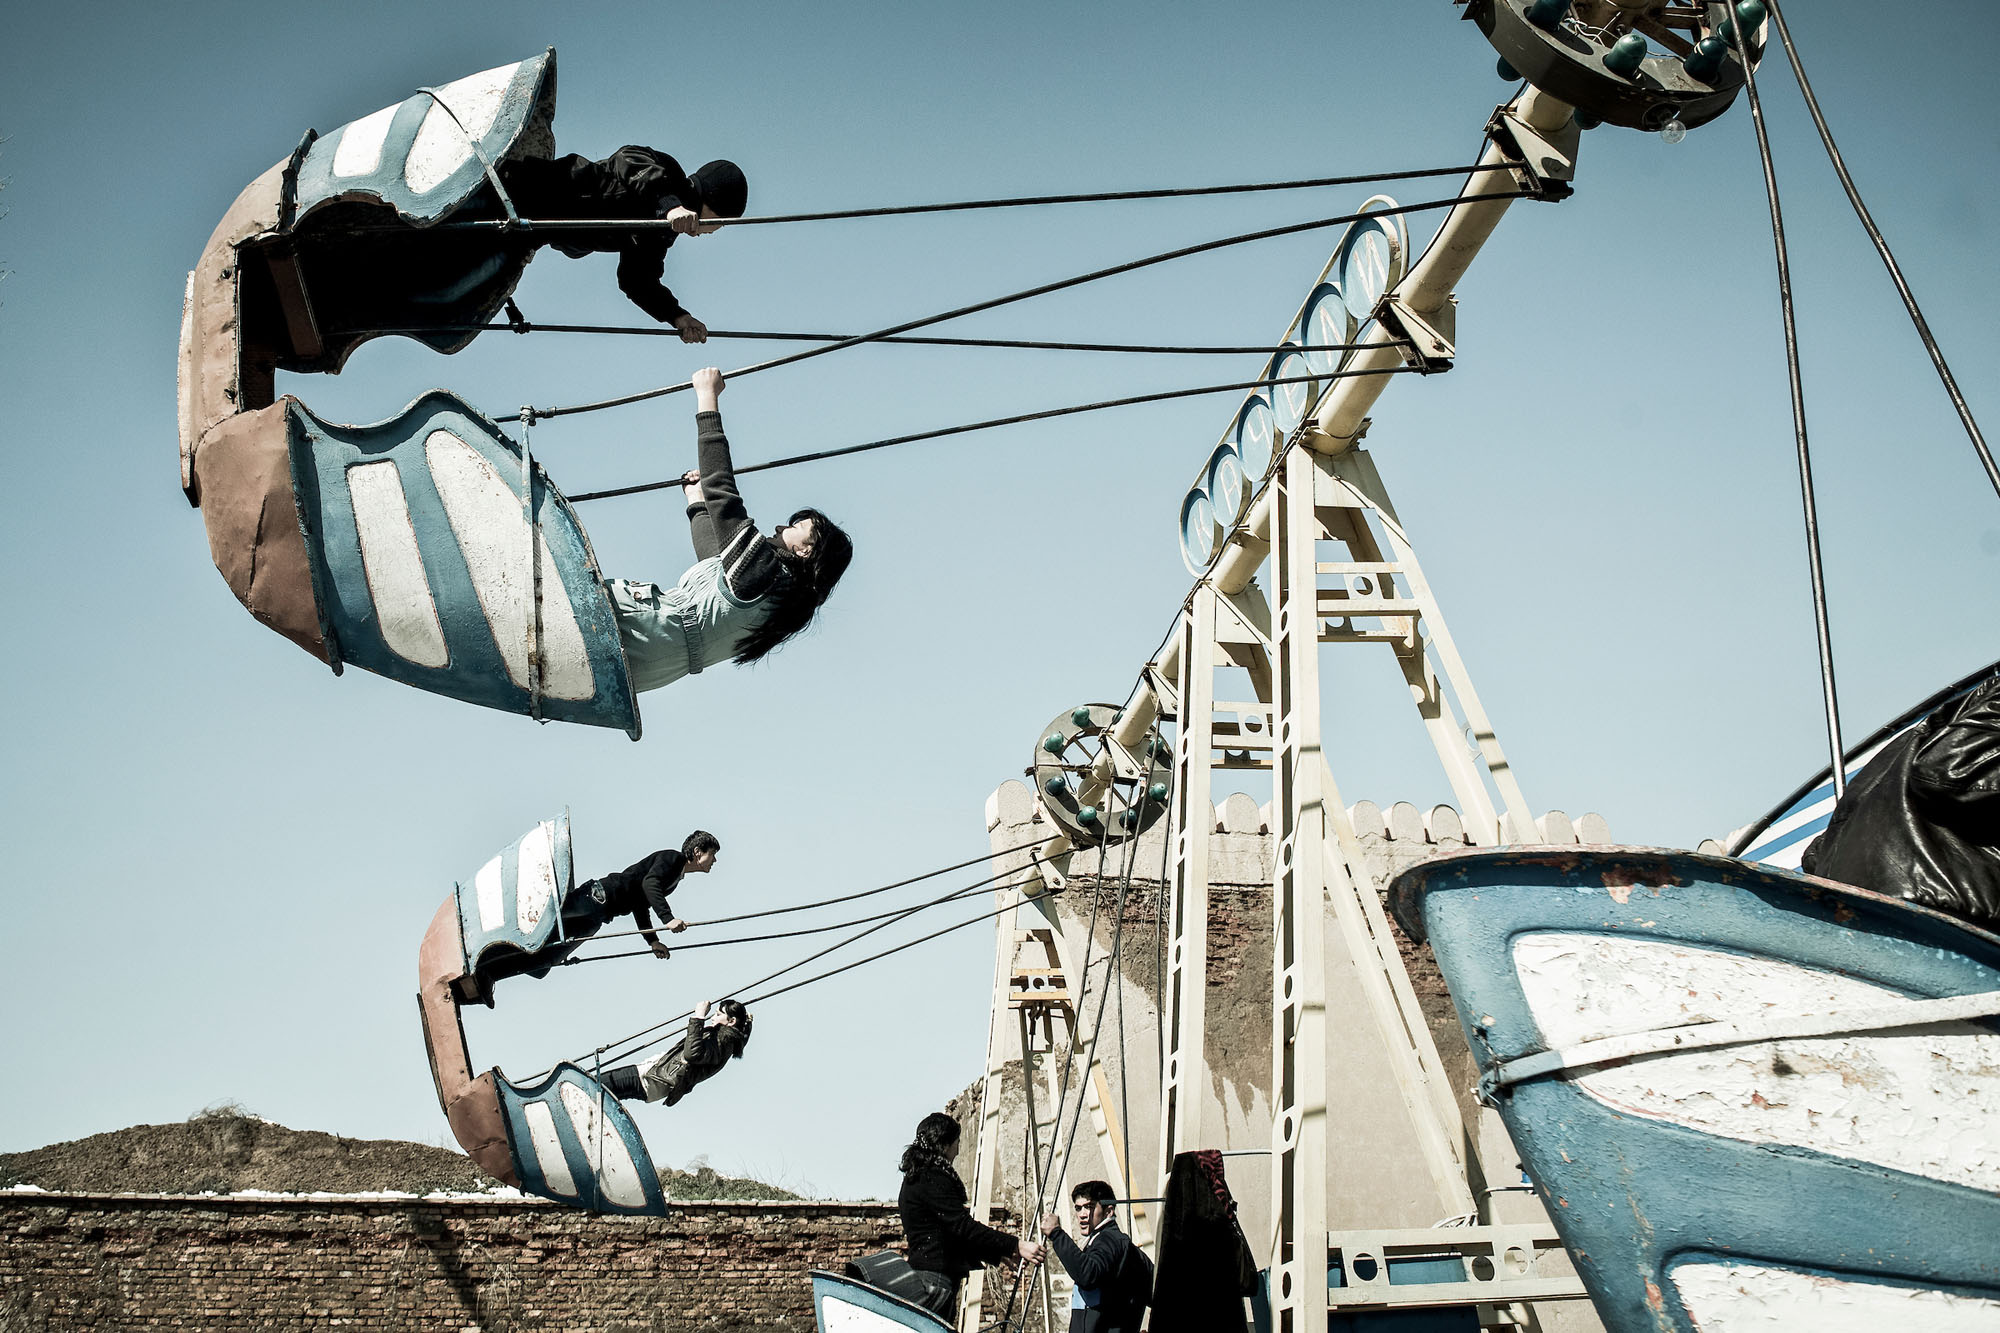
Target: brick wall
x=70, y=1261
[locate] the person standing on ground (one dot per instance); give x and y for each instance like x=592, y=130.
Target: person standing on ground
x=945, y=1241
x=1111, y=1288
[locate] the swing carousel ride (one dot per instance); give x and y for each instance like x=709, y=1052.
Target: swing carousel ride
x=1616, y=1000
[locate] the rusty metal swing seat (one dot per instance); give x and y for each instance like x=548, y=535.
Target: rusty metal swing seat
x=561, y=1136
x=407, y=547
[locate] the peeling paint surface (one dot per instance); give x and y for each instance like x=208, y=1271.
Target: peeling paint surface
x=1920, y=1100
x=617, y=1177
x=548, y=1149
x=444, y=141
x=492, y=532
x=394, y=565
x=1750, y=1298
x=535, y=880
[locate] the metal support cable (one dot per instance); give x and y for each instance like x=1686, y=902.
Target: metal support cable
x=859, y=962
x=764, y=335
x=1888, y=260
x=761, y=981
x=531, y=512
x=960, y=206
x=1061, y=284
x=1820, y=626
x=850, y=897
x=1111, y=980
x=1016, y=420
x=957, y=895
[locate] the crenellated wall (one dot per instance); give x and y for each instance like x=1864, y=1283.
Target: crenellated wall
x=1237, y=1106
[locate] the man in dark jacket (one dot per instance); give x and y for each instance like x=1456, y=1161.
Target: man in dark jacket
x=640, y=891
x=1113, y=1280
x=634, y=182
x=1922, y=820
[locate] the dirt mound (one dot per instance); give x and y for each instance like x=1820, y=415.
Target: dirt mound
x=225, y=1149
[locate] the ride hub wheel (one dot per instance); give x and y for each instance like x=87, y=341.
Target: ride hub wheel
x=1643, y=64
x=1095, y=790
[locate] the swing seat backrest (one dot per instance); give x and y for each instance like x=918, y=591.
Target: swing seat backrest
x=406, y=551
x=513, y=905
x=573, y=1142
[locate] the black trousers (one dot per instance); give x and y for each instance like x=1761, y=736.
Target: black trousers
x=940, y=1292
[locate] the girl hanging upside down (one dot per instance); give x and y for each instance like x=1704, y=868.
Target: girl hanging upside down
x=712, y=1041
x=748, y=593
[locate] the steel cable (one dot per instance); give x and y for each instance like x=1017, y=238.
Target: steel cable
x=1061, y=284
x=746, y=335
x=1018, y=419
x=636, y=225
x=1820, y=626
x=1888, y=260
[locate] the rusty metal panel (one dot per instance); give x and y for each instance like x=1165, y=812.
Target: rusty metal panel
x=243, y=474
x=471, y=1105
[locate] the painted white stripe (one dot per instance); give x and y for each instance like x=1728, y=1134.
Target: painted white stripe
x=184, y=382
x=1750, y=1298
x=394, y=566
x=492, y=904
x=837, y=1316
x=1917, y=1100
x=359, y=152
x=441, y=148
x=548, y=1147
x=617, y=1175
x=1815, y=808
x=485, y=514
x=1796, y=820
x=535, y=880
x=1892, y=1017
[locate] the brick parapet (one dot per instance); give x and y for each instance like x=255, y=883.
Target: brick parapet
x=73, y=1261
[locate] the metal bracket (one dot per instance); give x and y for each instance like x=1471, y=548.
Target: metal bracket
x=1543, y=168
x=1498, y=1264
x=1427, y=340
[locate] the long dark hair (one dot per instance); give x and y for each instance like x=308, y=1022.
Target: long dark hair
x=934, y=1146
x=741, y=1032
x=810, y=584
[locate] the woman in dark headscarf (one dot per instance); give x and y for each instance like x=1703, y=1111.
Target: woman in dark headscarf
x=945, y=1241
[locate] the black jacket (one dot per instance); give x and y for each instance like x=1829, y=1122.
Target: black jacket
x=699, y=1056
x=647, y=883
x=942, y=1234
x=721, y=526
x=1922, y=820
x=1108, y=1266
x=633, y=182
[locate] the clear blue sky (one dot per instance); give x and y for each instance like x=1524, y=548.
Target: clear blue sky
x=224, y=857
